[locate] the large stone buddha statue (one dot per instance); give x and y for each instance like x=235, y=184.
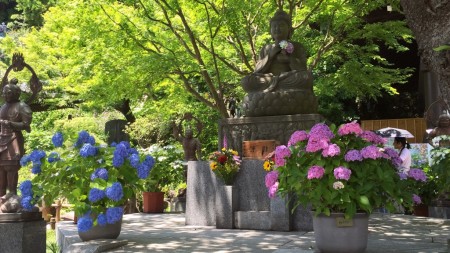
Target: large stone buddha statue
x=281, y=83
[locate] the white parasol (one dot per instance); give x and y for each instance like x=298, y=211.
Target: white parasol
x=394, y=132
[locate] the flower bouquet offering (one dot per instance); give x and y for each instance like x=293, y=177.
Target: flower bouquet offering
x=341, y=169
x=286, y=46
x=225, y=164
x=97, y=180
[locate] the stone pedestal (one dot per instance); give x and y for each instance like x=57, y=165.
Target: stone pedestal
x=23, y=236
x=226, y=204
x=278, y=128
x=280, y=214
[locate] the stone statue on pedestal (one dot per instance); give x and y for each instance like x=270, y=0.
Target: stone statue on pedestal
x=281, y=83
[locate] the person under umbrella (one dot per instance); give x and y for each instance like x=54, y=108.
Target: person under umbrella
x=404, y=153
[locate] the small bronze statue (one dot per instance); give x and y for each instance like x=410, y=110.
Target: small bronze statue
x=15, y=117
x=281, y=83
x=443, y=128
x=191, y=145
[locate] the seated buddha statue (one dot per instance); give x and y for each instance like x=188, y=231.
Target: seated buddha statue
x=280, y=83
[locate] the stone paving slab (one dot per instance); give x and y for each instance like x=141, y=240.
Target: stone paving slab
x=168, y=233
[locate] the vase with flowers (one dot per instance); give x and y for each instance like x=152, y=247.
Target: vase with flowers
x=225, y=165
x=343, y=173
x=98, y=180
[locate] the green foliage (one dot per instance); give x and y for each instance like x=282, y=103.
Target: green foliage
x=440, y=162
x=169, y=170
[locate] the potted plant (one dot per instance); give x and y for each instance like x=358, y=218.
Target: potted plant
x=98, y=180
x=343, y=174
x=168, y=172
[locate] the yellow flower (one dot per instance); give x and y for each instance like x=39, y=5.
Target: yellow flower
x=267, y=165
x=234, y=152
x=213, y=165
x=224, y=149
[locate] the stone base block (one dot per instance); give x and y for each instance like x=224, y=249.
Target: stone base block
x=23, y=237
x=442, y=212
x=256, y=220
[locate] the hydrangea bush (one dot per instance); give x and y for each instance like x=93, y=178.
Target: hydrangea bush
x=97, y=179
x=341, y=170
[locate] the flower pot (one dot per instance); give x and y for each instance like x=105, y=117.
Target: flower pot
x=108, y=231
x=335, y=234
x=421, y=210
x=153, y=202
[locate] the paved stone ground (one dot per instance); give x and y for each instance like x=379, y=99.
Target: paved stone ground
x=168, y=233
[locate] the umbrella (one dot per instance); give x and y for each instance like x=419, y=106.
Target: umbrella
x=394, y=132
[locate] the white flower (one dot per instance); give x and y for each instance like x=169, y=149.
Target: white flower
x=338, y=185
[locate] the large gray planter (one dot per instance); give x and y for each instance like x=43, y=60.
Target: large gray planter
x=226, y=204
x=333, y=234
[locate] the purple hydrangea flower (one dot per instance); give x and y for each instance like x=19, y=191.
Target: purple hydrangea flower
x=342, y=173
x=315, y=144
x=417, y=174
x=296, y=137
x=271, y=178
x=372, y=137
x=96, y=195
x=417, y=200
x=84, y=223
x=321, y=131
x=58, y=139
x=331, y=150
x=281, y=152
x=114, y=214
x=403, y=175
x=353, y=155
x=115, y=192
x=371, y=152
x=315, y=171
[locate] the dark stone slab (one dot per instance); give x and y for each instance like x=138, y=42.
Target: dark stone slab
x=23, y=237
x=256, y=220
x=95, y=246
x=24, y=216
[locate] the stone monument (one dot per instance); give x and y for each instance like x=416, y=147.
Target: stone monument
x=20, y=230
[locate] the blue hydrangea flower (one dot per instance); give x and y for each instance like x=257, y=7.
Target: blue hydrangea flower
x=24, y=160
x=83, y=137
x=53, y=157
x=149, y=161
x=100, y=173
x=115, y=192
x=96, y=195
x=121, y=150
x=88, y=150
x=118, y=160
x=26, y=203
x=36, y=169
x=132, y=151
x=143, y=171
x=126, y=144
x=91, y=140
x=113, y=144
x=26, y=188
x=37, y=155
x=134, y=160
x=84, y=224
x=58, y=139
x=114, y=214
x=101, y=219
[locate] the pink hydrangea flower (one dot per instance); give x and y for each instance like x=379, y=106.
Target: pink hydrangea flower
x=316, y=172
x=350, y=128
x=331, y=150
x=322, y=131
x=372, y=137
x=315, y=144
x=281, y=152
x=353, y=155
x=273, y=190
x=296, y=137
x=342, y=173
x=371, y=152
x=271, y=178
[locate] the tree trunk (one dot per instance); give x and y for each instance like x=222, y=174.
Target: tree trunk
x=429, y=21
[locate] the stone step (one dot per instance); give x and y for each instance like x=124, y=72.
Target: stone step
x=254, y=220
